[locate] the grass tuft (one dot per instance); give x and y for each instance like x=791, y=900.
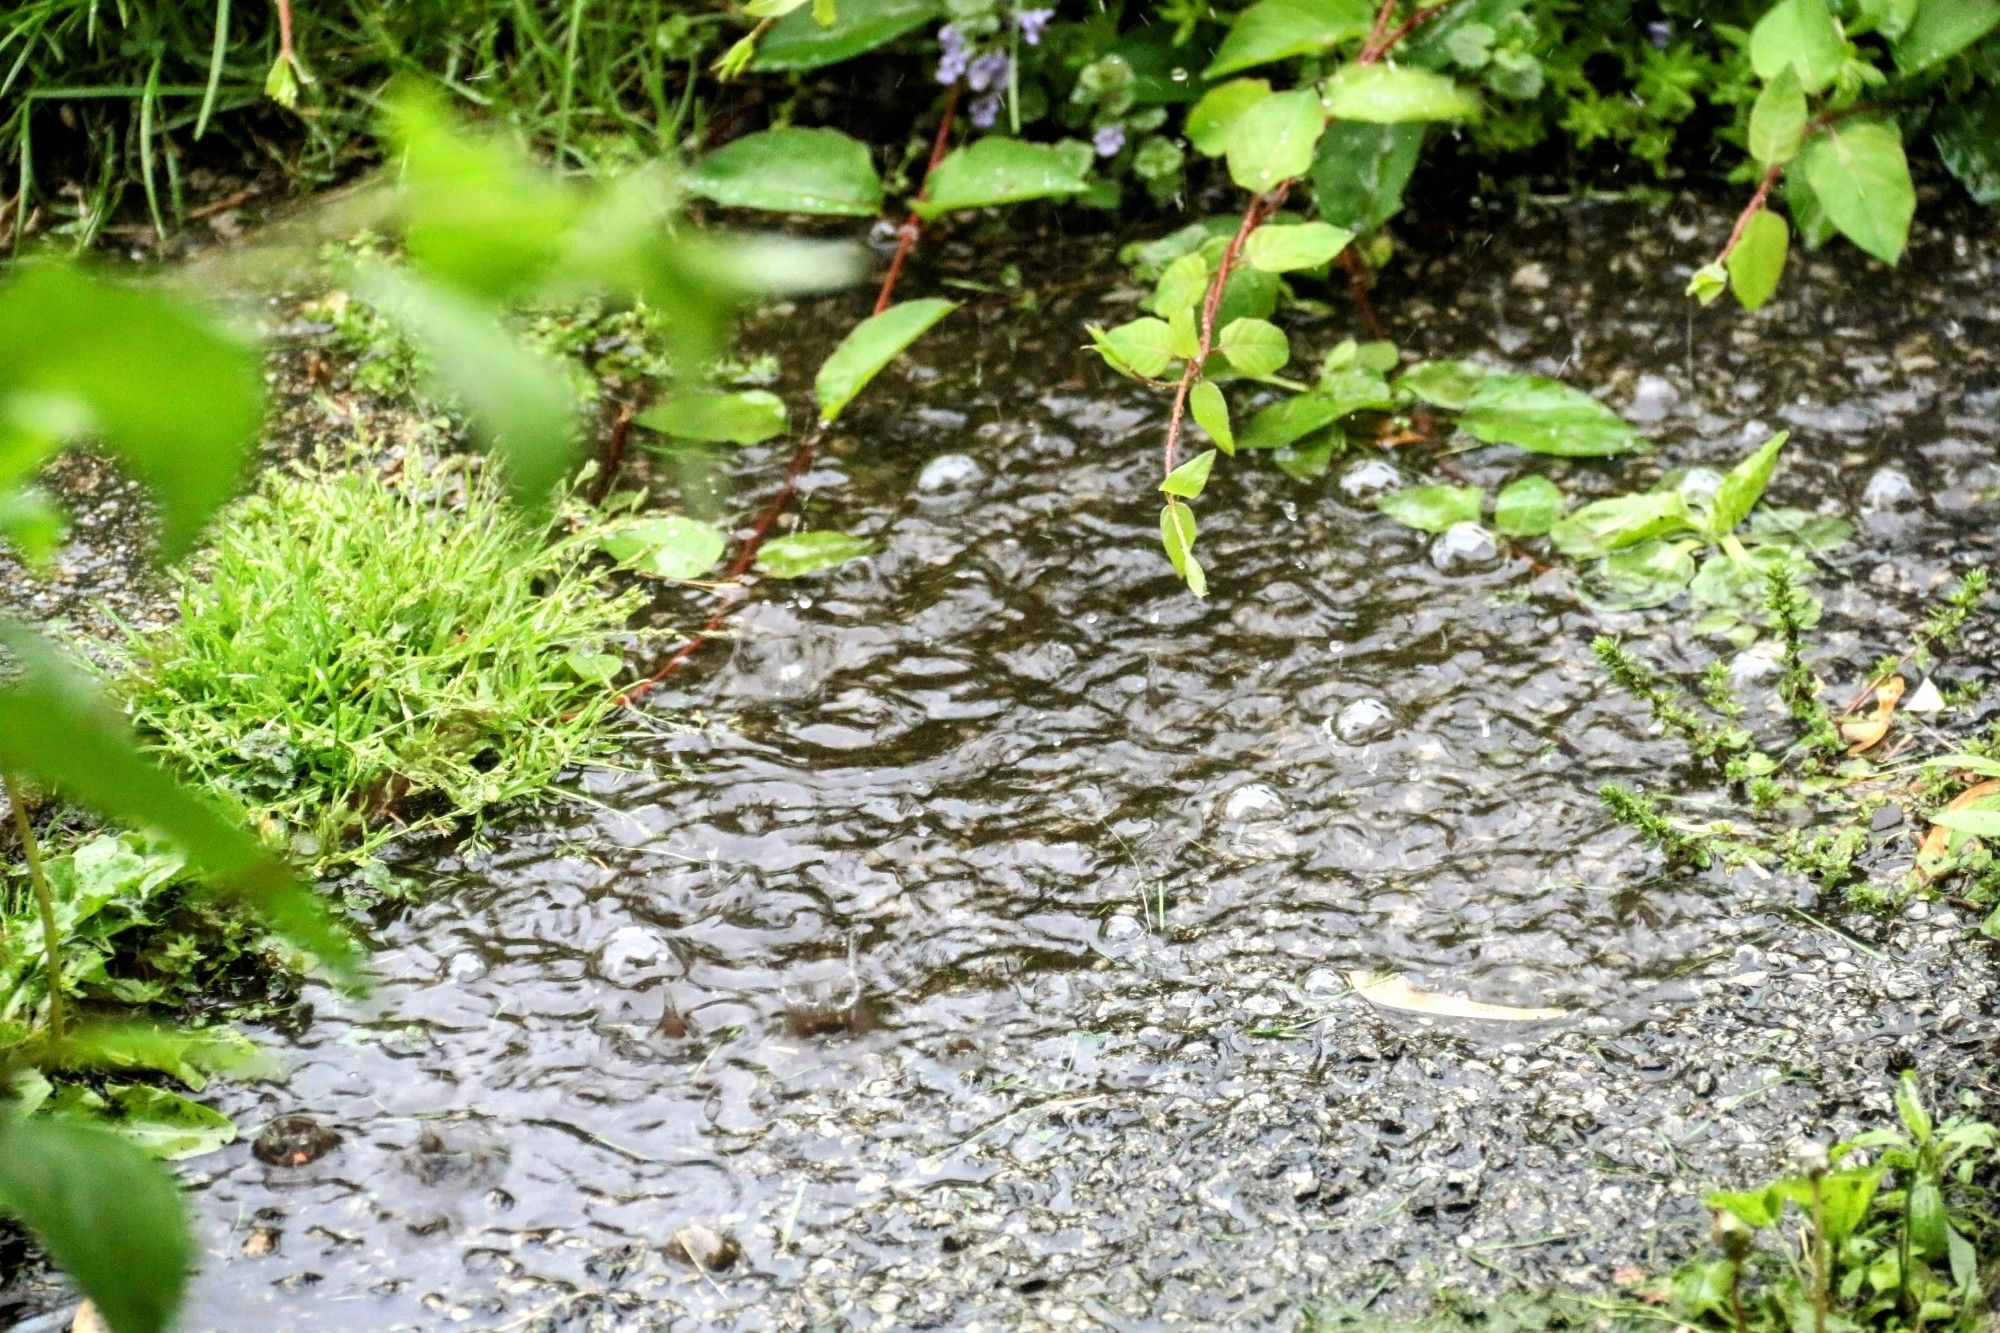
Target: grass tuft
x=354, y=660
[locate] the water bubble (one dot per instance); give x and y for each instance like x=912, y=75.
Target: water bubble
x=632, y=952
x=1464, y=546
x=1368, y=479
x=1653, y=397
x=949, y=472
x=1363, y=721
x=1252, y=801
x=1890, y=488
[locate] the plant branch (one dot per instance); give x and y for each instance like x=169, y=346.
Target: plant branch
x=1260, y=207
x=1383, y=38
x=31, y=848
x=913, y=225
x=286, y=51
x=808, y=450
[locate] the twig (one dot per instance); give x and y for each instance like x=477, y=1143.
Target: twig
x=802, y=458
x=614, y=454
x=1380, y=43
x=913, y=225
x=31, y=848
x=1357, y=287
x=286, y=53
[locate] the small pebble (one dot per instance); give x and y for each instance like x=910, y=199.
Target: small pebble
x=1369, y=480
x=949, y=472
x=1463, y=546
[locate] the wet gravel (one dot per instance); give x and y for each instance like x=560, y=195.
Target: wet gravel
x=978, y=963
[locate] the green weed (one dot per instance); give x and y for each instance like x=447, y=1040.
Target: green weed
x=354, y=660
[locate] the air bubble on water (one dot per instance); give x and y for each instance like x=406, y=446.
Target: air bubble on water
x=1179, y=76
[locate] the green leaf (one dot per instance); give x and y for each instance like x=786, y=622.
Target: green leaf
x=1642, y=575
x=1209, y=121
x=32, y=523
x=1758, y=260
x=997, y=170
x=791, y=170
x=1190, y=478
x=1211, y=412
x=1433, y=508
x=1140, y=347
x=1287, y=420
x=1182, y=286
x=1273, y=141
x=518, y=402
x=1941, y=29
x=1778, y=118
x=1527, y=507
x=1708, y=282
x=1255, y=347
x=1545, y=416
x=59, y=732
x=1282, y=249
x=1622, y=520
x=1846, y=1196
x=1969, y=763
x=668, y=547
x=1446, y=384
x=142, y=372
x=107, y=1214
x=869, y=347
x=598, y=667
x=1756, y=1209
x=1360, y=171
x=1394, y=95
x=1858, y=173
x=1742, y=488
x=1281, y=29
x=797, y=42
x=1967, y=134
x=744, y=417
x=1177, y=533
x=805, y=553
x=1799, y=35
x=159, y=1123
x=1814, y=226
x=1978, y=823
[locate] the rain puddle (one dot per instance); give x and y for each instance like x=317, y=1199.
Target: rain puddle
x=986, y=954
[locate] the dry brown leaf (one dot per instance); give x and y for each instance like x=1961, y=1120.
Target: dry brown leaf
x=1938, y=840
x=1865, y=733
x=1392, y=990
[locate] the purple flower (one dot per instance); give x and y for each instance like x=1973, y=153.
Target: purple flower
x=1031, y=22
x=953, y=57
x=1660, y=33
x=985, y=111
x=988, y=71
x=1108, y=140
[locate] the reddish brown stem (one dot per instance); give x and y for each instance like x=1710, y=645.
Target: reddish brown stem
x=614, y=454
x=286, y=52
x=1260, y=207
x=1384, y=40
x=1357, y=287
x=913, y=225
x=803, y=456
x=1751, y=210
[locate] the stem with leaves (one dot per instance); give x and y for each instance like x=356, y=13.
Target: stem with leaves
x=31, y=848
x=802, y=458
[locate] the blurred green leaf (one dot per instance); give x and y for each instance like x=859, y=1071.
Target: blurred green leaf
x=1527, y=507
x=1941, y=29
x=1177, y=534
x=1859, y=175
x=1190, y=478
x=157, y=1122
x=668, y=547
x=1255, y=347
x=791, y=170
x=1360, y=171
x=107, y=1214
x=518, y=402
x=798, y=42
x=1545, y=416
x=997, y=170
x=1139, y=347
x=1801, y=36
x=1758, y=260
x=1211, y=412
x=869, y=347
x=1778, y=118
x=805, y=553
x=1274, y=140
x=58, y=732
x=1433, y=508
x=1394, y=95
x=1275, y=30
x=1210, y=120
x=1446, y=384
x=1622, y=520
x=1283, y=248
x=747, y=416
x=1742, y=488
x=147, y=375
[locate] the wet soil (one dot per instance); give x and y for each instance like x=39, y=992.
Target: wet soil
x=976, y=961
